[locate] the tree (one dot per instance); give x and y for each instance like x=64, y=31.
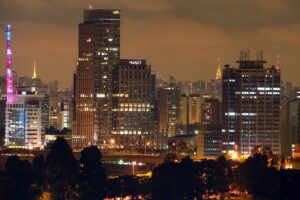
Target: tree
x=258, y=178
x=164, y=182
x=189, y=184
x=39, y=168
x=172, y=180
x=92, y=176
x=62, y=170
x=17, y=180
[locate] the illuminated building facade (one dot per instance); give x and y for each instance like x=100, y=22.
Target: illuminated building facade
x=23, y=121
x=251, y=106
x=99, y=51
x=132, y=104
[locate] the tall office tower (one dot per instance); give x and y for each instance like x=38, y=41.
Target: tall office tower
x=251, y=106
x=99, y=51
x=169, y=105
x=211, y=126
x=132, y=98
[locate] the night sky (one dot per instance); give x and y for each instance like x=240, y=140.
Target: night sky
x=177, y=37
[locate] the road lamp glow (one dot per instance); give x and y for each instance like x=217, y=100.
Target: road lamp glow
x=133, y=164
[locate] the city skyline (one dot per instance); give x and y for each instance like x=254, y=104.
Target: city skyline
x=207, y=30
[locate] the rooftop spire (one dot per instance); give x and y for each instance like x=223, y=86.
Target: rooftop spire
x=34, y=72
x=219, y=73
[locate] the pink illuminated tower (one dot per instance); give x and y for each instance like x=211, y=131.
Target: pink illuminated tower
x=9, y=71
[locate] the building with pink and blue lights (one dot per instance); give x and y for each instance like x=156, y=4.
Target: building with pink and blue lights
x=23, y=112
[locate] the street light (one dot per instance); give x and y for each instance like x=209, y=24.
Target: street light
x=133, y=164
x=30, y=147
x=112, y=142
x=146, y=144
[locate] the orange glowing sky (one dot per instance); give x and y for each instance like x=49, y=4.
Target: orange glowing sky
x=177, y=37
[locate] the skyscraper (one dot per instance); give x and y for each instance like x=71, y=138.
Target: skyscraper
x=132, y=125
x=251, y=106
x=99, y=51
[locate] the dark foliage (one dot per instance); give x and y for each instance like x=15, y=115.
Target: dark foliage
x=17, y=180
x=92, y=175
x=54, y=131
x=63, y=177
x=62, y=170
x=173, y=180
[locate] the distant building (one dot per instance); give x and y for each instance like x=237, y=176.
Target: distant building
x=214, y=88
x=250, y=106
x=190, y=111
x=198, y=87
x=186, y=87
x=168, y=106
x=23, y=121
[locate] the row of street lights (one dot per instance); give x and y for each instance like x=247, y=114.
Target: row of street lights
x=112, y=143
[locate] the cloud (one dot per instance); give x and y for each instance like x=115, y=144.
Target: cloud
x=182, y=38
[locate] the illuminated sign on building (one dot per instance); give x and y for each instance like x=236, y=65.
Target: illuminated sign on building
x=135, y=62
